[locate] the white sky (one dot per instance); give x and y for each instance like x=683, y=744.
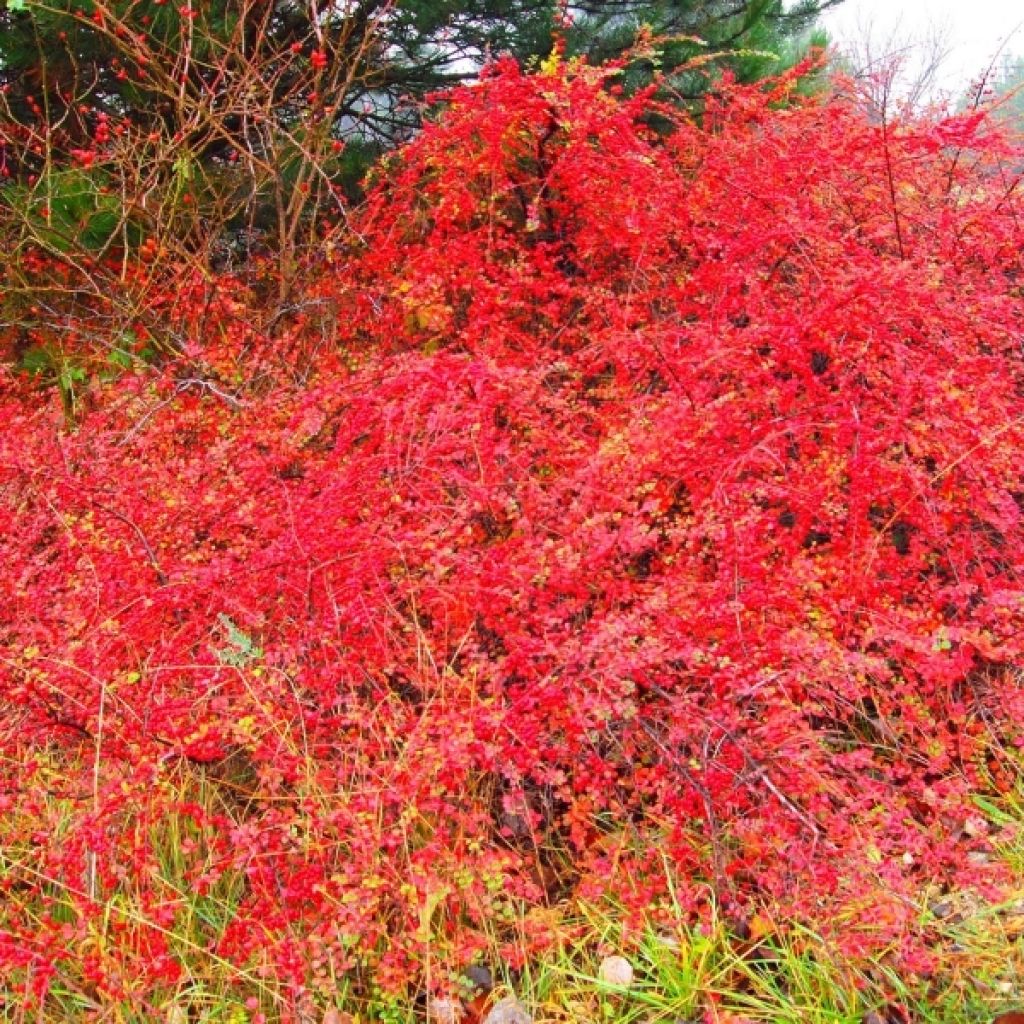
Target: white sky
x=972, y=30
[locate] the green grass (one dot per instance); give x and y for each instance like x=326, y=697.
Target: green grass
x=783, y=974
x=791, y=978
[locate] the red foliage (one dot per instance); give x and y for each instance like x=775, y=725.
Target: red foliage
x=660, y=506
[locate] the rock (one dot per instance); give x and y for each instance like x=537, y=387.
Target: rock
x=616, y=970
x=974, y=827
x=480, y=977
x=508, y=1011
x=441, y=1010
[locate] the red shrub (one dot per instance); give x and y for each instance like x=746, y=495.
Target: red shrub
x=660, y=512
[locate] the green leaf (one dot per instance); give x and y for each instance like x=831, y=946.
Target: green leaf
x=37, y=361
x=119, y=357
x=183, y=167
x=69, y=376
x=241, y=649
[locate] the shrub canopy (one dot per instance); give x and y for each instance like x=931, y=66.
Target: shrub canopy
x=644, y=523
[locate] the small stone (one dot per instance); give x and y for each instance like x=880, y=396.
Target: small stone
x=508, y=1011
x=480, y=977
x=443, y=1011
x=616, y=970
x=974, y=827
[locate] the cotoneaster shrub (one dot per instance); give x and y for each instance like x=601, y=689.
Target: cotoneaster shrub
x=654, y=521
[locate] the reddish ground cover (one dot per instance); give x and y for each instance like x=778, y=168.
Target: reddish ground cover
x=654, y=513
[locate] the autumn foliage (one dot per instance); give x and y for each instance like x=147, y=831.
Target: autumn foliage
x=644, y=525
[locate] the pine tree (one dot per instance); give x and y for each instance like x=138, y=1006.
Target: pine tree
x=210, y=127
x=61, y=55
